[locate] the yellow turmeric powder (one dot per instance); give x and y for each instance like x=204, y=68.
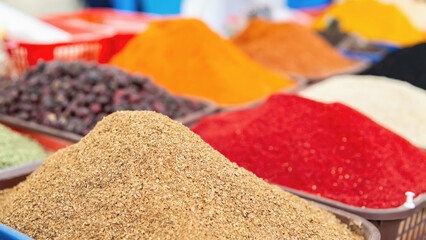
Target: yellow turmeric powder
x=187, y=58
x=374, y=20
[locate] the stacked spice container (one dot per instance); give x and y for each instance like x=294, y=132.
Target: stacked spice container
x=288, y=168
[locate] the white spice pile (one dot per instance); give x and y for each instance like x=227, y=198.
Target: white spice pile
x=141, y=175
x=396, y=105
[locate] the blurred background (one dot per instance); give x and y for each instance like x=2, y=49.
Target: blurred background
x=65, y=64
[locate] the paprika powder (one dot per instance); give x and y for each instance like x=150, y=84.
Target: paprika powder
x=328, y=150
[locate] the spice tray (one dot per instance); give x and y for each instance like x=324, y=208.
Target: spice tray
x=9, y=177
x=33, y=127
x=394, y=223
x=37, y=128
x=355, y=223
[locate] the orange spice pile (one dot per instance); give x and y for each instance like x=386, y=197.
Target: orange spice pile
x=188, y=58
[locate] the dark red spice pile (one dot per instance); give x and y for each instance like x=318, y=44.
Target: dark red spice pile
x=329, y=150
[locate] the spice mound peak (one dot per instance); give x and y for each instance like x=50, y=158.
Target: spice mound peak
x=141, y=175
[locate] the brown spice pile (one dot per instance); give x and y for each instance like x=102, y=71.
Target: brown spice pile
x=140, y=175
x=290, y=48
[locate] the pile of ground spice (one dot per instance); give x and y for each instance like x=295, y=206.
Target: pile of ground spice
x=290, y=47
x=188, y=58
x=373, y=20
x=328, y=150
x=16, y=149
x=140, y=175
x=397, y=105
x=408, y=64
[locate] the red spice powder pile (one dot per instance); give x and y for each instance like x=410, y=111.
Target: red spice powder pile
x=329, y=150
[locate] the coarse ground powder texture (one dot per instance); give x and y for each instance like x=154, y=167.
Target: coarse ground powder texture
x=290, y=48
x=397, y=105
x=140, y=175
x=188, y=58
x=328, y=150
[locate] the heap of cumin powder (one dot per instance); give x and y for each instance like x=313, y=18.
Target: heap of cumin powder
x=290, y=48
x=140, y=175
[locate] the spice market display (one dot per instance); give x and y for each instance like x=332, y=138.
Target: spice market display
x=140, y=174
x=167, y=119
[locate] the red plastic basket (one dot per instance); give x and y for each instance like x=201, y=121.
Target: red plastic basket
x=125, y=24
x=97, y=34
x=25, y=54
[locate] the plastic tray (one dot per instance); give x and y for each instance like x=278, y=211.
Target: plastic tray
x=7, y=233
x=355, y=223
x=394, y=223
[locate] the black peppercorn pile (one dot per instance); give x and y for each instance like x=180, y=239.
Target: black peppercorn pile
x=407, y=64
x=74, y=96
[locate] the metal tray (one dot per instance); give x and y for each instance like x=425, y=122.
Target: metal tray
x=393, y=223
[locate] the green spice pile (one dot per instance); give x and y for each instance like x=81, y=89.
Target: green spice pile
x=140, y=175
x=16, y=149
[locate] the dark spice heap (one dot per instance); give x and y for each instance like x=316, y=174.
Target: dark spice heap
x=408, y=64
x=140, y=175
x=324, y=149
x=73, y=96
